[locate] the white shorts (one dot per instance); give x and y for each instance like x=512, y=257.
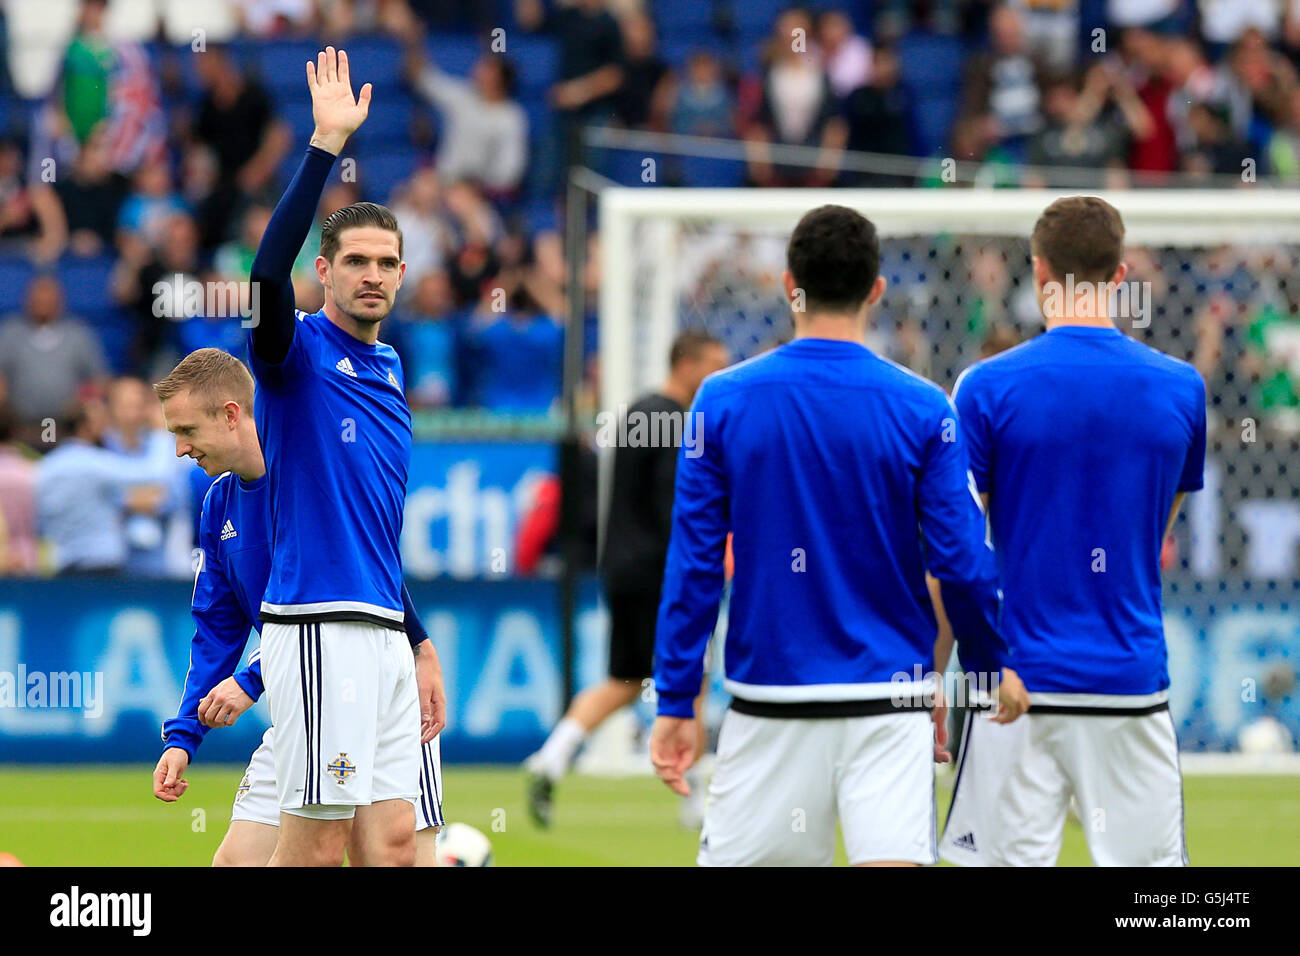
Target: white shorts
x=779, y=785
x=1015, y=781
x=256, y=800
x=346, y=711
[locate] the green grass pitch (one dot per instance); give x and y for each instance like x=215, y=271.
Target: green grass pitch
x=107, y=816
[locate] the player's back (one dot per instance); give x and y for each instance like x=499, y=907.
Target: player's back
x=822, y=446
x=1083, y=437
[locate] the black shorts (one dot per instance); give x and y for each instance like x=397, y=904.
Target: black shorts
x=632, y=616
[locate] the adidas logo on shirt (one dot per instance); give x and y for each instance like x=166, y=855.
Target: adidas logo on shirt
x=345, y=366
x=228, y=531
x=965, y=842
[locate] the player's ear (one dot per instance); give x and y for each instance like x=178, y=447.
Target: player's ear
x=1042, y=274
x=787, y=280
x=232, y=412
x=1120, y=273
x=322, y=269
x=877, y=290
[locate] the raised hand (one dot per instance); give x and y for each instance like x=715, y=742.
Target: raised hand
x=336, y=112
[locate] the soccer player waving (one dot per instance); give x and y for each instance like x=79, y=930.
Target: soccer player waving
x=1083, y=441
x=336, y=432
x=842, y=477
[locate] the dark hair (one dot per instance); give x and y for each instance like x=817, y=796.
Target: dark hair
x=1080, y=236
x=506, y=72
x=351, y=217
x=71, y=418
x=834, y=256
x=689, y=345
x=1058, y=78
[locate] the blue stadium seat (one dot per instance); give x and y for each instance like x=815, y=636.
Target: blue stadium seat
x=297, y=113
x=681, y=16
x=15, y=273
x=376, y=60
x=755, y=16
x=116, y=330
x=930, y=62
x=708, y=172
x=541, y=122
x=750, y=58
x=537, y=63
x=85, y=281
x=390, y=121
x=454, y=52
x=542, y=215
x=282, y=65
x=931, y=123
x=383, y=168
x=678, y=50
x=626, y=166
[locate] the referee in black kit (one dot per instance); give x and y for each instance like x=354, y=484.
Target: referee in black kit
x=648, y=439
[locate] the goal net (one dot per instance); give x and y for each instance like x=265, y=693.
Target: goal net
x=1212, y=279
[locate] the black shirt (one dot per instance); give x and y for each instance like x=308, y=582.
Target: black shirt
x=93, y=205
x=640, y=79
x=587, y=42
x=641, y=499
x=235, y=132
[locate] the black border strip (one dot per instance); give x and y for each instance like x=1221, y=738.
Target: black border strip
x=318, y=617
x=827, y=709
x=1098, y=711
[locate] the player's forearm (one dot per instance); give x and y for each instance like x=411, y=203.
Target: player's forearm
x=292, y=219
x=687, y=617
x=943, y=642
x=973, y=611
x=272, y=269
x=250, y=679
x=1173, y=512
x=966, y=569
x=184, y=733
x=415, y=632
x=220, y=633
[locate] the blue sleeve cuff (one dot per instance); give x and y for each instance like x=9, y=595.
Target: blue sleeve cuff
x=250, y=682
x=676, y=705
x=182, y=739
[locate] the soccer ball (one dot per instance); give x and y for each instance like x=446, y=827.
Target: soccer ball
x=459, y=844
x=1265, y=736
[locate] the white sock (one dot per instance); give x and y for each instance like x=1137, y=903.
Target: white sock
x=557, y=753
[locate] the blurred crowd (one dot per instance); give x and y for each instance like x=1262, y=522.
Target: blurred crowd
x=147, y=168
